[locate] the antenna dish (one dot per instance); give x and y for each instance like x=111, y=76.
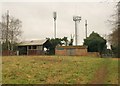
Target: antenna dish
x=76, y=18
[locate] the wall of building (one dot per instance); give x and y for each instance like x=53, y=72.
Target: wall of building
x=71, y=50
x=35, y=52
x=38, y=50
x=74, y=51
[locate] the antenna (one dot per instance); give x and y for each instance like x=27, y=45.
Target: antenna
x=54, y=16
x=76, y=19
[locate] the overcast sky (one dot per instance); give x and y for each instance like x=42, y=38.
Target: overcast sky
x=37, y=18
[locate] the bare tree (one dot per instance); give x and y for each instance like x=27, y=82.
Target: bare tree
x=10, y=29
x=114, y=37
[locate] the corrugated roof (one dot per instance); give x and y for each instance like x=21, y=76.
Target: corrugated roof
x=32, y=42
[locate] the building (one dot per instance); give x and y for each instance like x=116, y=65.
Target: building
x=71, y=50
x=34, y=47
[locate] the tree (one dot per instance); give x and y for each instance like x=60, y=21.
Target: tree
x=53, y=43
x=71, y=40
x=10, y=30
x=95, y=43
x=65, y=39
x=114, y=37
x=57, y=42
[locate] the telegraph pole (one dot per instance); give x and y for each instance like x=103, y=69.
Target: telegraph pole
x=86, y=28
x=54, y=16
x=76, y=19
x=7, y=28
x=118, y=29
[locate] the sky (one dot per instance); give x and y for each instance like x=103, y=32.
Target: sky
x=37, y=17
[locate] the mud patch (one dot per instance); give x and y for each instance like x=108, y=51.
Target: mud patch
x=100, y=75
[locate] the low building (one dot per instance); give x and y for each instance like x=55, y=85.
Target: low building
x=34, y=47
x=71, y=50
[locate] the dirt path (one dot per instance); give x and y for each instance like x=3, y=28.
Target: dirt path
x=100, y=75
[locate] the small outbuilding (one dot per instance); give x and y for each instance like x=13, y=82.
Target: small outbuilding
x=34, y=47
x=71, y=50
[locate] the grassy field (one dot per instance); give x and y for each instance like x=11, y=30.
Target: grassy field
x=59, y=70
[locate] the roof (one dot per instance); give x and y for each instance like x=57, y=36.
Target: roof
x=32, y=42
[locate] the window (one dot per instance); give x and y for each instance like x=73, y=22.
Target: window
x=29, y=47
x=34, y=47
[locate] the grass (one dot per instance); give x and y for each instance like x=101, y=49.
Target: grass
x=56, y=70
x=112, y=76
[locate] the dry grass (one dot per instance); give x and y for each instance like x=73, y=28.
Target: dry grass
x=56, y=70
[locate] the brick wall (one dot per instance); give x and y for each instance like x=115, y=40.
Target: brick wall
x=60, y=52
x=71, y=50
x=81, y=52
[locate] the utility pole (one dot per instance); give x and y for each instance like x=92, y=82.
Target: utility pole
x=76, y=19
x=7, y=28
x=118, y=29
x=12, y=40
x=86, y=28
x=54, y=16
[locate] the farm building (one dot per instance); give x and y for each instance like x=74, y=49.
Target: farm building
x=71, y=50
x=34, y=47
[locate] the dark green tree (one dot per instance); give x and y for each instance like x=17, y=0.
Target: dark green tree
x=65, y=39
x=57, y=42
x=53, y=43
x=95, y=43
x=71, y=40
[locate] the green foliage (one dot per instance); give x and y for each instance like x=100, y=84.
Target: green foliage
x=55, y=42
x=65, y=39
x=95, y=43
x=71, y=42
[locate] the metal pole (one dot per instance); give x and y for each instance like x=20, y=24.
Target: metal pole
x=76, y=19
x=86, y=27
x=55, y=28
x=54, y=16
x=76, y=33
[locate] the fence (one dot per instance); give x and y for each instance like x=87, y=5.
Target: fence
x=8, y=53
